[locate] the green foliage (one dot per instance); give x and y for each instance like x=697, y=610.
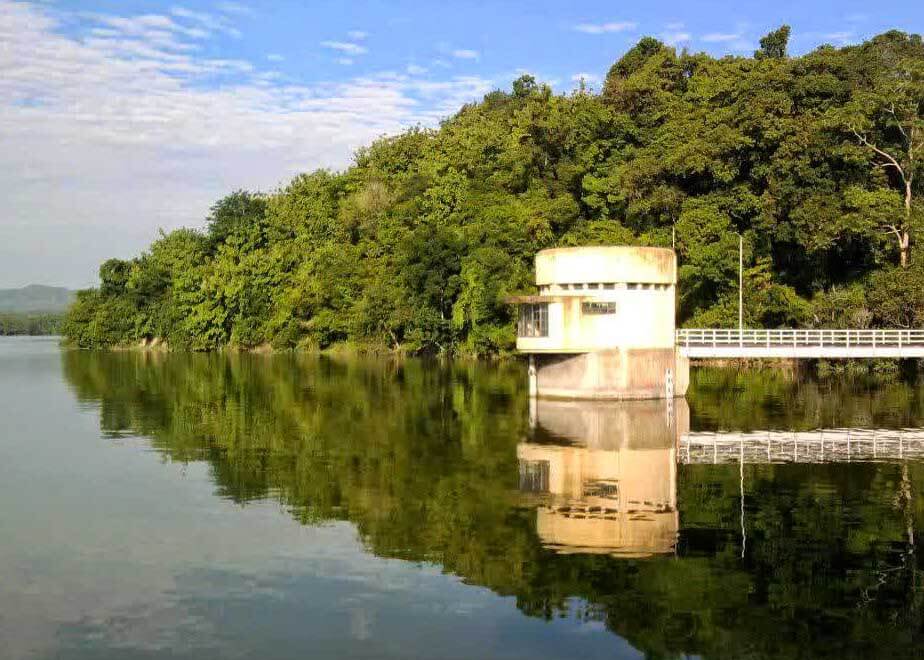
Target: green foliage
x=96, y=320
x=30, y=323
x=774, y=44
x=897, y=297
x=415, y=245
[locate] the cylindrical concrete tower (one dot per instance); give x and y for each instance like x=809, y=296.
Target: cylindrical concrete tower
x=602, y=326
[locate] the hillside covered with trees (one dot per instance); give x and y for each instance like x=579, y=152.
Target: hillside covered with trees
x=817, y=161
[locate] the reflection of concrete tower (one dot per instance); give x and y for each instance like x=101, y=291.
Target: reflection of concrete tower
x=602, y=326
x=605, y=475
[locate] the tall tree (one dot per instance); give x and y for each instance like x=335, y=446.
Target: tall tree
x=774, y=44
x=887, y=118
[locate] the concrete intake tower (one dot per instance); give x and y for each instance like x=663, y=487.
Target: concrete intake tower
x=602, y=326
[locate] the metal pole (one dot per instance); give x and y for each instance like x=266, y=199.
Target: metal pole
x=740, y=283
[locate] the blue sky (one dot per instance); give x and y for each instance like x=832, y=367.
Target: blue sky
x=125, y=116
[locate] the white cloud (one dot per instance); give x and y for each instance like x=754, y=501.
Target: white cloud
x=345, y=47
x=275, y=57
x=465, y=54
x=358, y=35
x=675, y=26
x=602, y=28
x=415, y=70
x=237, y=8
x=109, y=135
x=345, y=61
x=842, y=38
x=588, y=78
x=837, y=38
x=720, y=37
x=675, y=38
x=208, y=23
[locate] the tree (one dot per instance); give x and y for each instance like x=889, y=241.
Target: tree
x=774, y=44
x=525, y=86
x=113, y=276
x=240, y=216
x=887, y=118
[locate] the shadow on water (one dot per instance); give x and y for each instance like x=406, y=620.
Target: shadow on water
x=558, y=503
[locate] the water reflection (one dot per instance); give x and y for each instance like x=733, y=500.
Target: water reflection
x=587, y=524
x=604, y=475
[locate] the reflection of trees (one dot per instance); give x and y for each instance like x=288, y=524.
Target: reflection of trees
x=422, y=459
x=770, y=399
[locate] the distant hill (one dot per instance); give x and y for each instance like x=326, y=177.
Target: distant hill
x=35, y=298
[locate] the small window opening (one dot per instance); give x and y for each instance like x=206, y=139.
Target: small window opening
x=595, y=308
x=534, y=320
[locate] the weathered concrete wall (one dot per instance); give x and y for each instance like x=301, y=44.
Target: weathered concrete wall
x=642, y=319
x=630, y=373
x=606, y=264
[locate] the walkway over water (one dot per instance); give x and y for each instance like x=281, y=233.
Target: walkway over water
x=785, y=343
x=822, y=446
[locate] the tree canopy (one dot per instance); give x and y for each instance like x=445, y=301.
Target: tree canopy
x=814, y=160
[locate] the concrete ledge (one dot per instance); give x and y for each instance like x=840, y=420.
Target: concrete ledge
x=618, y=374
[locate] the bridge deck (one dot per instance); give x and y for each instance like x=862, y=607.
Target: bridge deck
x=787, y=343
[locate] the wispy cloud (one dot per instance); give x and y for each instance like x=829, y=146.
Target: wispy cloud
x=208, y=22
x=275, y=57
x=603, y=28
x=345, y=61
x=115, y=130
x=841, y=38
x=721, y=37
x=465, y=54
x=345, y=47
x=837, y=38
x=237, y=8
x=675, y=38
x=357, y=35
x=415, y=70
x=590, y=79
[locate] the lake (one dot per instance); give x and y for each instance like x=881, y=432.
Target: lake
x=249, y=506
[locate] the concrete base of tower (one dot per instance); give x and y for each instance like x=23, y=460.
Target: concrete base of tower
x=649, y=373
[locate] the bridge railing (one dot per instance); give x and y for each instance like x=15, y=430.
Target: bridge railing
x=817, y=337
x=818, y=446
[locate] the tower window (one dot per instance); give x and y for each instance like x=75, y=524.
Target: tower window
x=534, y=320
x=595, y=308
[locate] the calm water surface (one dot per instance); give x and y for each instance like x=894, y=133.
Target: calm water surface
x=206, y=506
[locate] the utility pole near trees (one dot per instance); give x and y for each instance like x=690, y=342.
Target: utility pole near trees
x=740, y=282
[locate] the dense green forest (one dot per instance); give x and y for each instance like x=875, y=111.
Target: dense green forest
x=30, y=324
x=816, y=161
x=421, y=457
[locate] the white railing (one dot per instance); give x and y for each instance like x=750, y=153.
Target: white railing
x=819, y=446
x=786, y=338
